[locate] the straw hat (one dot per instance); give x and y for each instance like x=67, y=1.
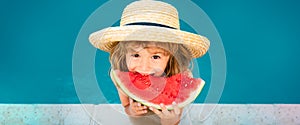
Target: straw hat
x=149, y=20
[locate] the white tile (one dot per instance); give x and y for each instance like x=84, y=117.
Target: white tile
x=107, y=114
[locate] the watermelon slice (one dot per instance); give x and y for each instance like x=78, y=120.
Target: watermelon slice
x=152, y=91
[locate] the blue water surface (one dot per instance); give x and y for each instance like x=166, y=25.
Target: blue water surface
x=261, y=41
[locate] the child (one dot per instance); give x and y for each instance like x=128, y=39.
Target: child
x=150, y=42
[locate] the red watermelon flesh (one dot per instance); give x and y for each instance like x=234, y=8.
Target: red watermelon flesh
x=152, y=91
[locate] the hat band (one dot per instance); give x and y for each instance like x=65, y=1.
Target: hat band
x=150, y=24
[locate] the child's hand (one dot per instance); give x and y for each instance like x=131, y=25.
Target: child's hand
x=168, y=117
x=135, y=108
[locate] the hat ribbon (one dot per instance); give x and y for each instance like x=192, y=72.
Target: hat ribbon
x=150, y=24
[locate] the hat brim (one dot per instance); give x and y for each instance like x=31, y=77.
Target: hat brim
x=107, y=38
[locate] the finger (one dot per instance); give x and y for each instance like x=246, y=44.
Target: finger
x=130, y=101
x=140, y=112
x=176, y=108
x=141, y=107
x=136, y=104
x=156, y=111
x=164, y=109
x=144, y=107
x=133, y=103
x=139, y=104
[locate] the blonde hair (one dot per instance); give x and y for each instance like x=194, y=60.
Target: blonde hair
x=180, y=56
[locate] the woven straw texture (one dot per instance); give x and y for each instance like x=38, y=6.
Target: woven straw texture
x=150, y=12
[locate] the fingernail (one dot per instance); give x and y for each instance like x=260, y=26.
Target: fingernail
x=145, y=111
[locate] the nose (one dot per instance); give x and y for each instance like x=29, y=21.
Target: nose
x=144, y=66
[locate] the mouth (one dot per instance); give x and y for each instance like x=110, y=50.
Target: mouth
x=145, y=74
x=151, y=74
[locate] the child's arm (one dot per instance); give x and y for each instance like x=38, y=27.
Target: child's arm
x=132, y=108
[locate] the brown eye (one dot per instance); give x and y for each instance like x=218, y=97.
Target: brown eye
x=156, y=57
x=135, y=55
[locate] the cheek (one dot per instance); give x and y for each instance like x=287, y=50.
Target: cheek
x=165, y=62
x=127, y=61
x=130, y=63
x=162, y=65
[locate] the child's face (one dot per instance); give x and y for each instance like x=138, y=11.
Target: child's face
x=150, y=60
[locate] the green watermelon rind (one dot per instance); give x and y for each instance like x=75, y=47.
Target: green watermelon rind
x=157, y=106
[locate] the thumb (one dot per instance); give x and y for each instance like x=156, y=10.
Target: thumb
x=130, y=101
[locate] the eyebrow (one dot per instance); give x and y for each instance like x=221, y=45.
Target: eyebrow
x=152, y=51
x=158, y=51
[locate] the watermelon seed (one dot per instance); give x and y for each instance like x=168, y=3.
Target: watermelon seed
x=185, y=85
